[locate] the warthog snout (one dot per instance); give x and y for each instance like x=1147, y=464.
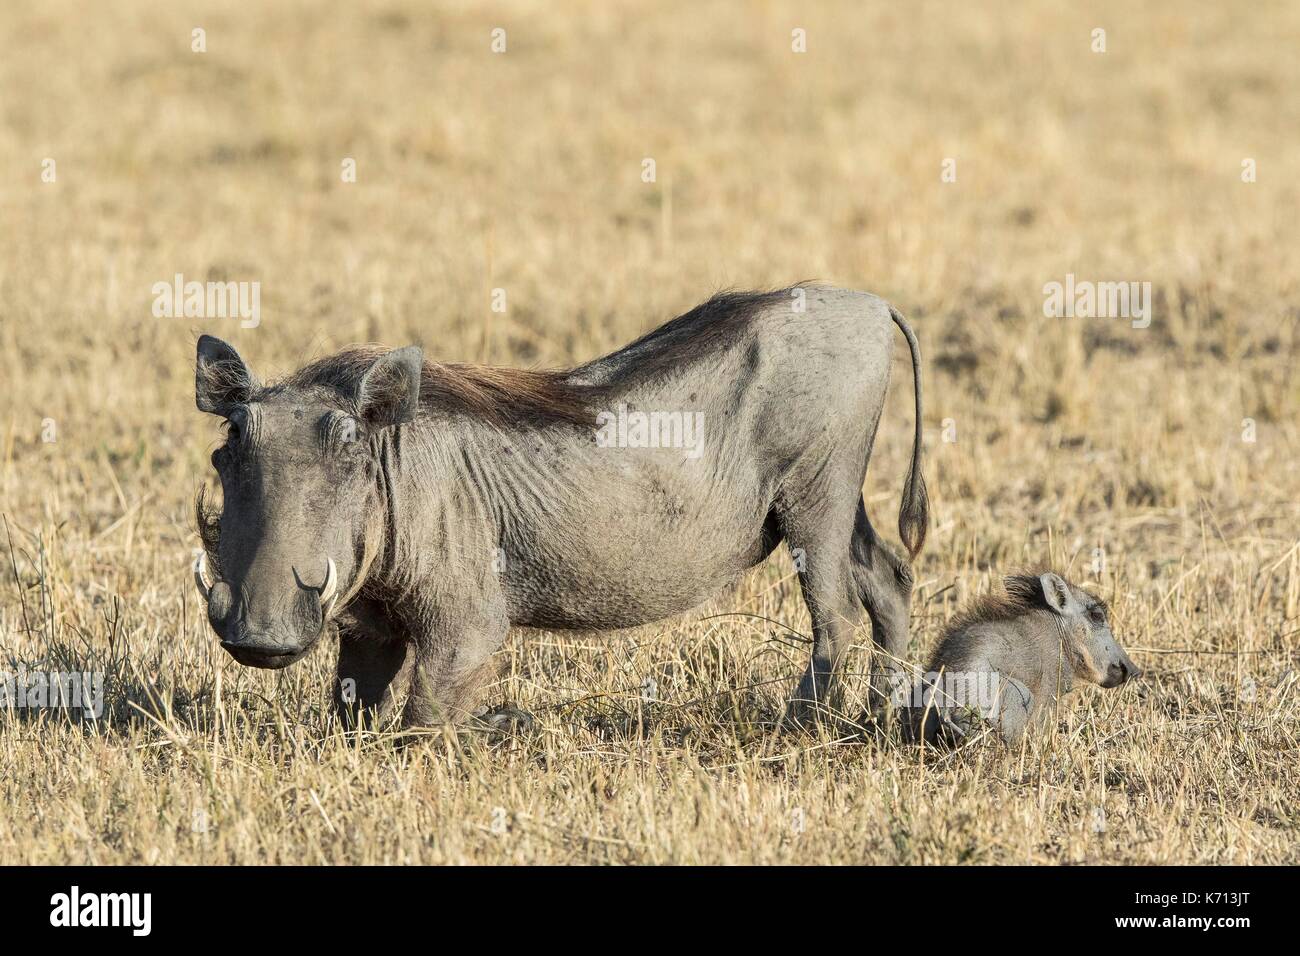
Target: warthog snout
x=268, y=640
x=1120, y=671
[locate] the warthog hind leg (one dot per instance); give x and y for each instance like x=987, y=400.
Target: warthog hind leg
x=884, y=586
x=817, y=539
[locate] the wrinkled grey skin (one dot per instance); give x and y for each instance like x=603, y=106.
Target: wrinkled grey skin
x=1020, y=664
x=486, y=525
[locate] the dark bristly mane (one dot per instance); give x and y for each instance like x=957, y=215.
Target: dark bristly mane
x=1022, y=594
x=495, y=393
x=513, y=394
x=704, y=328
x=719, y=313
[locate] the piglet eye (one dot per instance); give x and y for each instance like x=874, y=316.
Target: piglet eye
x=1098, y=615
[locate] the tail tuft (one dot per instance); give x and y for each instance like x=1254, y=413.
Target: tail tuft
x=914, y=515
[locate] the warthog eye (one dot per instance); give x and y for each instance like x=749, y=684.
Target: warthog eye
x=340, y=432
x=1097, y=615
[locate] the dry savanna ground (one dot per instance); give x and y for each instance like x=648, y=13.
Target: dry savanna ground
x=1156, y=464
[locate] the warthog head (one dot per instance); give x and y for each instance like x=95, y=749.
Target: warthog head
x=299, y=486
x=1084, y=623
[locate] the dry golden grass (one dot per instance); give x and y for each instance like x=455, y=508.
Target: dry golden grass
x=523, y=171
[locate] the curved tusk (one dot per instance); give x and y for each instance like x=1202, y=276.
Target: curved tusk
x=201, y=575
x=329, y=589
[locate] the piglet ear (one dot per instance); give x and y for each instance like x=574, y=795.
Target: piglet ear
x=1056, y=593
x=221, y=379
x=389, y=392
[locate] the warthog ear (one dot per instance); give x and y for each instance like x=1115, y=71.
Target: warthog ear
x=1057, y=593
x=389, y=392
x=221, y=379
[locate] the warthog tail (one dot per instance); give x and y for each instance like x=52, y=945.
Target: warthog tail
x=914, y=510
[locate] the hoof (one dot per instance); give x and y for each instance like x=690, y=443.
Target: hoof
x=805, y=716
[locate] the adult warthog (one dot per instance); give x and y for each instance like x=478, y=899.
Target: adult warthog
x=426, y=508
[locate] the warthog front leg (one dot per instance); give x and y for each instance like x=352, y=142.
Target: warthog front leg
x=1015, y=709
x=373, y=673
x=965, y=702
x=452, y=659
